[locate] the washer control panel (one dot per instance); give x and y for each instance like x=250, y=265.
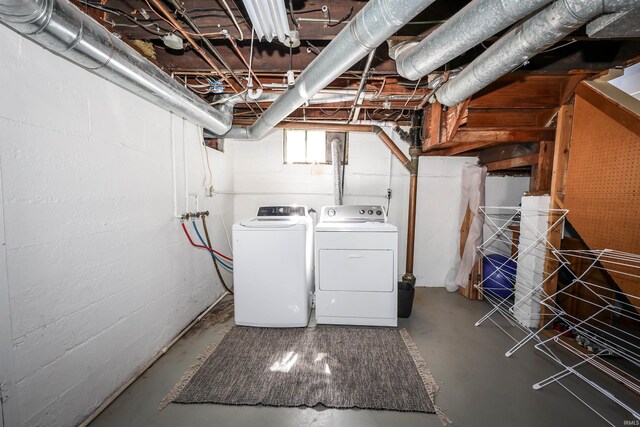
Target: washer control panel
x=286, y=210
x=353, y=213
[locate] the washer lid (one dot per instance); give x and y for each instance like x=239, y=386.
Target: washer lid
x=273, y=222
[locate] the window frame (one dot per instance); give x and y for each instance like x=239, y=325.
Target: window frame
x=329, y=136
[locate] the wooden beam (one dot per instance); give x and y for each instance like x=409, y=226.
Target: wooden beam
x=547, y=117
x=470, y=139
x=556, y=192
x=513, y=117
x=569, y=87
x=435, y=127
x=504, y=135
x=603, y=96
x=516, y=162
x=544, y=167
x=521, y=91
x=561, y=154
x=510, y=151
x=458, y=117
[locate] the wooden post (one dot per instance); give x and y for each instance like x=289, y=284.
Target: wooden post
x=545, y=166
x=464, y=233
x=470, y=291
x=557, y=191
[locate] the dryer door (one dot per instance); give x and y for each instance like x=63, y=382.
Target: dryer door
x=359, y=270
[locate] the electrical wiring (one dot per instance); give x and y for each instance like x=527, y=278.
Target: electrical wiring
x=205, y=9
x=176, y=29
x=415, y=89
x=119, y=12
x=293, y=18
x=330, y=113
x=341, y=20
x=158, y=15
x=134, y=20
x=229, y=98
x=195, y=227
x=233, y=18
x=184, y=228
x=300, y=12
x=224, y=227
x=206, y=166
x=560, y=46
x=312, y=47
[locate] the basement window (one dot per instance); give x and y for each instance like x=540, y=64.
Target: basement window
x=310, y=146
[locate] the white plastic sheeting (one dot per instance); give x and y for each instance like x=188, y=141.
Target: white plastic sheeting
x=473, y=179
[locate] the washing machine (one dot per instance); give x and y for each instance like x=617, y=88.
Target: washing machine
x=356, y=267
x=273, y=267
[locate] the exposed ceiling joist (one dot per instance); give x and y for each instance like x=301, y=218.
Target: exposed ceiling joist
x=473, y=139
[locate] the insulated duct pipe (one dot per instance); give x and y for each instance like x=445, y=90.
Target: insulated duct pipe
x=377, y=21
x=319, y=98
x=473, y=24
x=336, y=151
x=536, y=34
x=65, y=30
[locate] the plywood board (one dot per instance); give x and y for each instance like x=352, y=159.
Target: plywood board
x=603, y=184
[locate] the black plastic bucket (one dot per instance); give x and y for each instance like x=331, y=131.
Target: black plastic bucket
x=406, y=292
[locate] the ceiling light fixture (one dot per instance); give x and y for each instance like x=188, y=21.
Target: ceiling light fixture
x=269, y=19
x=172, y=41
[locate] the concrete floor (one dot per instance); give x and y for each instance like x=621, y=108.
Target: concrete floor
x=478, y=385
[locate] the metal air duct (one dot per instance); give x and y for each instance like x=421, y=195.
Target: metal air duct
x=65, y=30
x=536, y=34
x=336, y=154
x=473, y=24
x=377, y=21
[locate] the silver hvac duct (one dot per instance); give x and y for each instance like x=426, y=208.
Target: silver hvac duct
x=319, y=98
x=544, y=29
x=62, y=28
x=376, y=22
x=473, y=24
x=336, y=151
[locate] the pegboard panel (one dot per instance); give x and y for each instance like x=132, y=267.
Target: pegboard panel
x=603, y=184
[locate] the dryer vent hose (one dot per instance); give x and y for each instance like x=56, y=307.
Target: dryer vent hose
x=336, y=146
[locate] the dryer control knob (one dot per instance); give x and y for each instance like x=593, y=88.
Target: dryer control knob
x=370, y=212
x=361, y=211
x=331, y=212
x=378, y=212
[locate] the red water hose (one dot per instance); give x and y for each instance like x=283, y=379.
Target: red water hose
x=202, y=247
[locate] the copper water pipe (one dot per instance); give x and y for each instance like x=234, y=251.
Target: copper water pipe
x=415, y=151
x=410, y=164
x=191, y=41
x=411, y=227
x=200, y=51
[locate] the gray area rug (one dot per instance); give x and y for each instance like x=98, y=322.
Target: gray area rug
x=338, y=367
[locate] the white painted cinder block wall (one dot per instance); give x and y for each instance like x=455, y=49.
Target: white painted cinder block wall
x=98, y=273
x=96, y=270
x=261, y=178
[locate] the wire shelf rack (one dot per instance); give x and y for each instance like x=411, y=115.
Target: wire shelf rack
x=606, y=334
x=589, y=325
x=519, y=239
